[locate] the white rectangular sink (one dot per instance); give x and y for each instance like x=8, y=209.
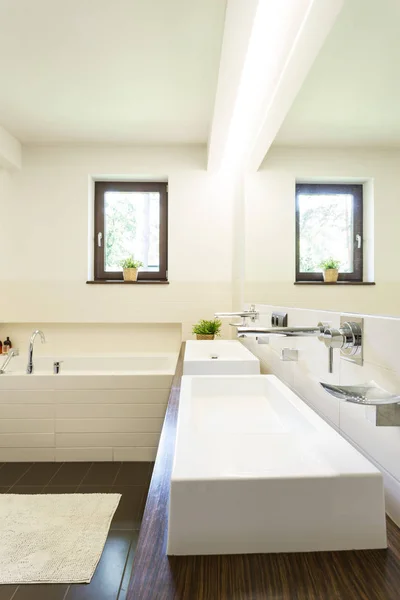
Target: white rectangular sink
x=219, y=357
x=256, y=470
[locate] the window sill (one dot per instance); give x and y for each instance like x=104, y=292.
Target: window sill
x=334, y=283
x=121, y=281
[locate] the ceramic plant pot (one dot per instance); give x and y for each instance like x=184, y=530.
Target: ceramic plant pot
x=201, y=336
x=331, y=275
x=130, y=274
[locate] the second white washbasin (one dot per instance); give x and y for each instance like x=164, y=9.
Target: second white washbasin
x=256, y=470
x=219, y=357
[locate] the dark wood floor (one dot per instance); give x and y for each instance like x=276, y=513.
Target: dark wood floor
x=356, y=575
x=111, y=578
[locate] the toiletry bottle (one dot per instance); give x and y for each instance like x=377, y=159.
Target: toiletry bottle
x=7, y=346
x=1, y=347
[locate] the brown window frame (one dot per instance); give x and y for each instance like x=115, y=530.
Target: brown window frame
x=333, y=188
x=100, y=188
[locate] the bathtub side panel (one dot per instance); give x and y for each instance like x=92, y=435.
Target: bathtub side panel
x=83, y=416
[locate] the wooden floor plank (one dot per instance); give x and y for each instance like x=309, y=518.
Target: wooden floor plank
x=356, y=575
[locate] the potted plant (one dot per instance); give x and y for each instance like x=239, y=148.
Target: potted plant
x=130, y=268
x=330, y=269
x=207, y=330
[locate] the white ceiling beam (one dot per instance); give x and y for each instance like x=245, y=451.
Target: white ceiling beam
x=267, y=51
x=10, y=151
x=238, y=27
x=312, y=33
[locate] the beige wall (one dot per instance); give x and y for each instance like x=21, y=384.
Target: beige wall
x=70, y=339
x=270, y=229
x=46, y=241
x=227, y=244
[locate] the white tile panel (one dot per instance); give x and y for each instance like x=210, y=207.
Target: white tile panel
x=116, y=396
x=109, y=425
x=89, y=440
x=27, y=454
x=20, y=396
x=26, y=440
x=26, y=425
x=110, y=382
x=83, y=454
x=133, y=454
x=26, y=411
x=110, y=411
x=381, y=342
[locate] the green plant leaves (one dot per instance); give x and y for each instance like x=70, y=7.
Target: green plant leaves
x=204, y=327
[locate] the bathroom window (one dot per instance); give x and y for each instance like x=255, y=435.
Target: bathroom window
x=130, y=219
x=329, y=224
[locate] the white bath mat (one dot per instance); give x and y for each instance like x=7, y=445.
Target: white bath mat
x=53, y=538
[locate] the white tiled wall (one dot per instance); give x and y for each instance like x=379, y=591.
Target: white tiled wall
x=381, y=363
x=83, y=424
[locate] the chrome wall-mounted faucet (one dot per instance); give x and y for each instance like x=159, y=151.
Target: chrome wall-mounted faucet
x=29, y=368
x=348, y=338
x=251, y=314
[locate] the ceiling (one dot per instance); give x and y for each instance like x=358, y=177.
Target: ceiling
x=351, y=96
x=109, y=71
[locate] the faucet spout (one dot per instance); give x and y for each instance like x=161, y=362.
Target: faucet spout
x=251, y=314
x=29, y=368
x=257, y=332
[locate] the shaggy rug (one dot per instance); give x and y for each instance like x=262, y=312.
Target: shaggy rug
x=53, y=538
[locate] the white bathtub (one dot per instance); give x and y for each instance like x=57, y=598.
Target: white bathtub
x=96, y=408
x=256, y=470
x=94, y=365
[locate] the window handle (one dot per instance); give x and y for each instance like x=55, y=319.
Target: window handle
x=358, y=240
x=99, y=239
